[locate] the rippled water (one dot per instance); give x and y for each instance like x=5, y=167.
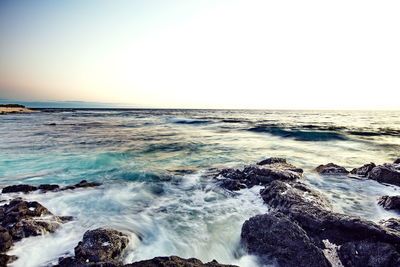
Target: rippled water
x=151, y=164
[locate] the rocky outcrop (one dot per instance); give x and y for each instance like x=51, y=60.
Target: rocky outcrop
x=174, y=261
x=25, y=188
x=275, y=236
x=386, y=173
x=364, y=170
x=390, y=202
x=262, y=173
x=391, y=223
x=99, y=247
x=5, y=239
x=331, y=169
x=396, y=161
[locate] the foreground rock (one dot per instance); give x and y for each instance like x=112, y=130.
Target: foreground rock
x=103, y=247
x=390, y=202
x=275, y=235
x=386, y=173
x=331, y=169
x=24, y=188
x=262, y=173
x=175, y=261
x=364, y=170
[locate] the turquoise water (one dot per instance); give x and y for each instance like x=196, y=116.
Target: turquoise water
x=152, y=165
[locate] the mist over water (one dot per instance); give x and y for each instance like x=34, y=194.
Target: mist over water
x=153, y=164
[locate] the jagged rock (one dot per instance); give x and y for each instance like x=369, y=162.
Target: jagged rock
x=276, y=236
x=363, y=170
x=48, y=187
x=25, y=188
x=33, y=227
x=230, y=184
x=174, y=261
x=272, y=160
x=390, y=202
x=365, y=253
x=391, y=223
x=5, y=259
x=232, y=174
x=81, y=184
x=5, y=239
x=331, y=169
x=397, y=161
x=311, y=212
x=386, y=173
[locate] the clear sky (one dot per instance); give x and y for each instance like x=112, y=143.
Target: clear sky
x=203, y=54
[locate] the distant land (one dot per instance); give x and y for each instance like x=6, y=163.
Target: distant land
x=68, y=104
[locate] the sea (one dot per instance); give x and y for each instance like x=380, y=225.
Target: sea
x=153, y=166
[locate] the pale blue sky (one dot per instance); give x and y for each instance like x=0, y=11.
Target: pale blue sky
x=203, y=54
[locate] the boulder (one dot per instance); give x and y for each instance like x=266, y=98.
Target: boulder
x=386, y=173
x=5, y=239
x=331, y=169
x=364, y=170
x=275, y=236
x=174, y=261
x=366, y=253
x=390, y=202
x=391, y=223
x=24, y=188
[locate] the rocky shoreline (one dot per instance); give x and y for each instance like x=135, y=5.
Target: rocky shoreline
x=300, y=229
x=13, y=108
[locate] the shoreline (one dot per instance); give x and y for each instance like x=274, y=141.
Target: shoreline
x=9, y=110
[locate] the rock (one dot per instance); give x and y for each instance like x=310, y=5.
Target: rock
x=19, y=188
x=48, y=187
x=276, y=236
x=364, y=170
x=397, y=161
x=81, y=184
x=366, y=253
x=272, y=160
x=386, y=173
x=5, y=259
x=5, y=239
x=23, y=219
x=174, y=261
x=331, y=169
x=391, y=223
x=101, y=245
x=390, y=202
x=232, y=185
x=232, y=174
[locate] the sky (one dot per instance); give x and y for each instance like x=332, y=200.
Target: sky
x=202, y=54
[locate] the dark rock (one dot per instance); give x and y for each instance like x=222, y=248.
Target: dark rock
x=5, y=259
x=25, y=188
x=174, y=261
x=390, y=202
x=386, y=173
x=272, y=161
x=101, y=245
x=272, y=172
x=81, y=184
x=391, y=223
x=397, y=161
x=363, y=170
x=331, y=169
x=365, y=253
x=276, y=236
x=230, y=184
x=48, y=187
x=5, y=239
x=232, y=173
x=32, y=227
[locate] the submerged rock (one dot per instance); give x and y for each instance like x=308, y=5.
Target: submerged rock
x=390, y=202
x=24, y=188
x=174, y=261
x=386, y=173
x=366, y=253
x=275, y=236
x=81, y=184
x=48, y=187
x=331, y=169
x=99, y=247
x=364, y=170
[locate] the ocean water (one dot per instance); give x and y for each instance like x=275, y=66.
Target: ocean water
x=152, y=164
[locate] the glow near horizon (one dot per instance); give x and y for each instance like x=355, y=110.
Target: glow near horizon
x=203, y=54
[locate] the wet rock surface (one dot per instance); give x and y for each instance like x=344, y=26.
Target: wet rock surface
x=174, y=261
x=99, y=247
x=331, y=169
x=364, y=170
x=386, y=173
x=275, y=235
x=390, y=202
x=397, y=161
x=25, y=188
x=392, y=223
